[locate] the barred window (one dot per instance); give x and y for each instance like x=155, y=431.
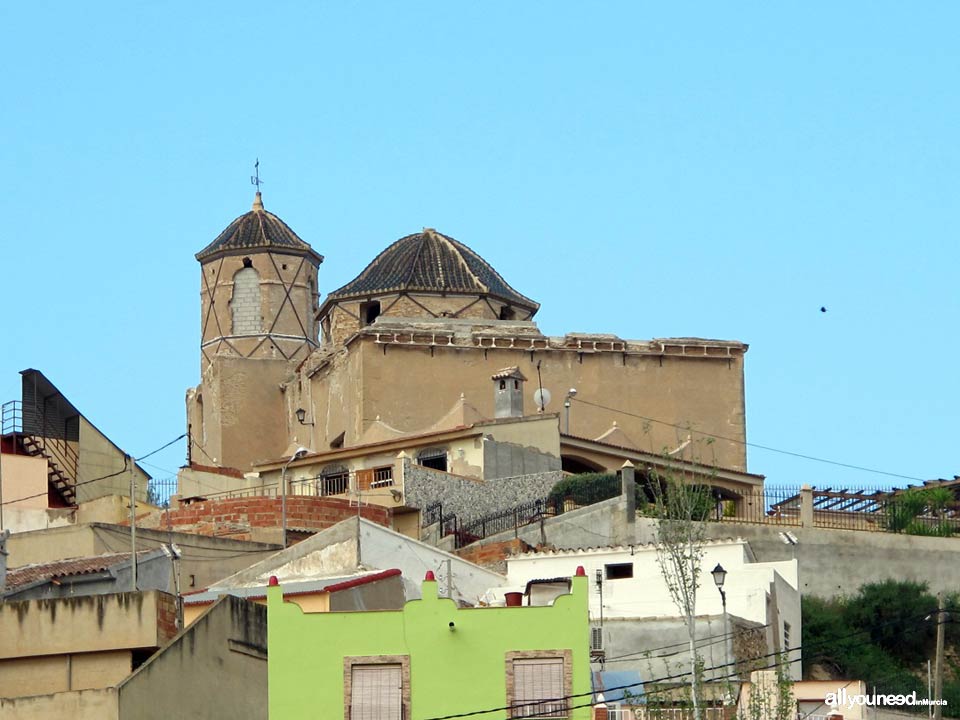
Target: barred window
x=435, y=458
x=334, y=480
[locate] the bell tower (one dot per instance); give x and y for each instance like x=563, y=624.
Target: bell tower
x=258, y=302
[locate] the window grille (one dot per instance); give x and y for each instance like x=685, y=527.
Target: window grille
x=382, y=476
x=334, y=481
x=435, y=458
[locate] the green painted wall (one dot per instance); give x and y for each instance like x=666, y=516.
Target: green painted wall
x=451, y=671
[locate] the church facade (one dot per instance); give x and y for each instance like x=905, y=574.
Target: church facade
x=424, y=326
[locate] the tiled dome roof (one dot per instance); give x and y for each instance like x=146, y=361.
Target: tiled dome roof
x=429, y=261
x=257, y=230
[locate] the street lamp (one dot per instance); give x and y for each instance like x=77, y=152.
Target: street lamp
x=300, y=452
x=566, y=404
x=719, y=576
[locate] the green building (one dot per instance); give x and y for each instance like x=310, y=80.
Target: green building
x=430, y=660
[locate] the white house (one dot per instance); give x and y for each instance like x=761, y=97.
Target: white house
x=627, y=587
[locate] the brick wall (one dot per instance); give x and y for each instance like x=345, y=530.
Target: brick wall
x=237, y=516
x=245, y=302
x=494, y=553
x=167, y=625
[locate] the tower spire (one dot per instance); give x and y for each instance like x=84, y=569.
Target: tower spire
x=255, y=180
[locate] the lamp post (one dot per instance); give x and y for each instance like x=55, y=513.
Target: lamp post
x=300, y=452
x=719, y=576
x=566, y=404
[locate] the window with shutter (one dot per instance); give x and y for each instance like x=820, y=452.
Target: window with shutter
x=538, y=688
x=376, y=692
x=364, y=479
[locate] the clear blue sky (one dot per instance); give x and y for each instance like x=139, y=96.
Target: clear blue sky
x=717, y=170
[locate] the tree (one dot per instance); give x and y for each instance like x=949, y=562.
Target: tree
x=771, y=694
x=920, y=511
x=679, y=507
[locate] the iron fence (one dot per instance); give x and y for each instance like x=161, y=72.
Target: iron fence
x=767, y=506
x=159, y=491
x=510, y=519
x=431, y=514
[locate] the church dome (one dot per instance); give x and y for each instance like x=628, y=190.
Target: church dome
x=431, y=262
x=255, y=231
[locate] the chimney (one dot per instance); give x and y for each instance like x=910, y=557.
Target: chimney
x=508, y=393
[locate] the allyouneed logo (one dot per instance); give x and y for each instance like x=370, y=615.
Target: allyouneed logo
x=842, y=699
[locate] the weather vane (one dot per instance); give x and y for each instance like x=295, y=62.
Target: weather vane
x=255, y=179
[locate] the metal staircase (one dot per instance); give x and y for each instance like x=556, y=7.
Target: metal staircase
x=61, y=456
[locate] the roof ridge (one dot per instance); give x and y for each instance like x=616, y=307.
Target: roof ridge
x=416, y=258
x=496, y=272
x=456, y=245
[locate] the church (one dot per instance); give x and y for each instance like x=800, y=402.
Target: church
x=411, y=346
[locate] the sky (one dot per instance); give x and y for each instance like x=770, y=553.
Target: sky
x=651, y=170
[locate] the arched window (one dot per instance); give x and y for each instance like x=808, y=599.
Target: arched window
x=245, y=303
x=435, y=458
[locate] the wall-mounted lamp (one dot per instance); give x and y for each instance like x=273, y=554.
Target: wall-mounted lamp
x=301, y=416
x=571, y=393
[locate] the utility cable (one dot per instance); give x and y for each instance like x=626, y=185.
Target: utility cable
x=126, y=468
x=782, y=655
x=768, y=448
x=164, y=447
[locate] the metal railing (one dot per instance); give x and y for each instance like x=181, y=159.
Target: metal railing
x=680, y=713
x=11, y=417
x=46, y=439
x=431, y=514
x=766, y=506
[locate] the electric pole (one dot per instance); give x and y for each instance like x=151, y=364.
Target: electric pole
x=938, y=662
x=133, y=521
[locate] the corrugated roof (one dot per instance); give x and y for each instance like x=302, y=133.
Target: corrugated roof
x=430, y=261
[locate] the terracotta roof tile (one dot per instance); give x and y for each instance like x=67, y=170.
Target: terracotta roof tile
x=257, y=230
x=29, y=574
x=430, y=261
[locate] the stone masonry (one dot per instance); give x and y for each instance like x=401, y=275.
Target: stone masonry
x=469, y=498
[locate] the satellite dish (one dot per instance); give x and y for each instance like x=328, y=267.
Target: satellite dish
x=542, y=398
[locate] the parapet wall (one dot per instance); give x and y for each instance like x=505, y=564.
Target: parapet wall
x=244, y=518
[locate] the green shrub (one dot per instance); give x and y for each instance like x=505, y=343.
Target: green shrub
x=586, y=488
x=879, y=635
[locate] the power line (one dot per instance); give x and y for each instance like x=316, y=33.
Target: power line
x=239, y=552
x=126, y=468
x=703, y=643
x=164, y=447
x=783, y=657
x=750, y=444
